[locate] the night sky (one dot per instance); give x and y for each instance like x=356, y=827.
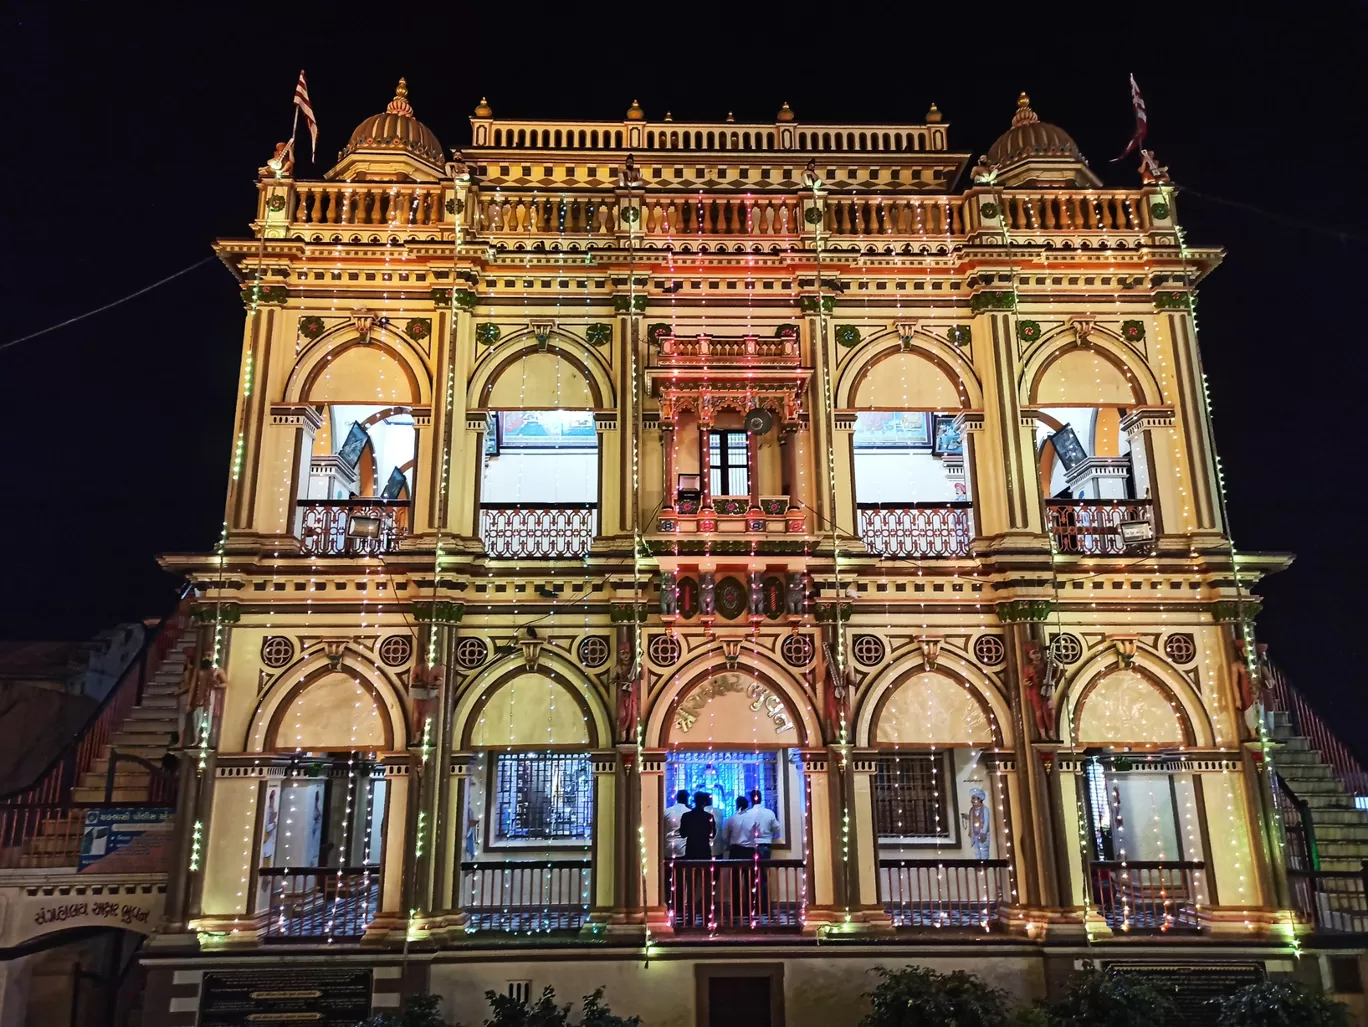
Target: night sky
x=134, y=139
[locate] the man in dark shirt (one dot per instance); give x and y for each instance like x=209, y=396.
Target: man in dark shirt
x=697, y=827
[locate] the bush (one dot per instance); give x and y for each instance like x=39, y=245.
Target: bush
x=918, y=997
x=1278, y=1004
x=508, y=1011
x=419, y=1011
x=1097, y=998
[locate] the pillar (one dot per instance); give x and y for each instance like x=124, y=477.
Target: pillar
x=864, y=840
x=842, y=512
x=283, y=468
x=614, y=515
x=667, y=463
x=1157, y=472
x=463, y=493
x=704, y=464
x=652, y=850
x=822, y=857
x=605, y=898
x=453, y=474
x=788, y=461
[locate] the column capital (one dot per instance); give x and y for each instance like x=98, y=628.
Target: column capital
x=297, y=414
x=1144, y=418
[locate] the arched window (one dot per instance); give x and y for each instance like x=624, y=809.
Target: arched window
x=850, y=140
x=864, y=141
x=921, y=140
x=593, y=139
x=498, y=137
x=581, y=139
x=887, y=144
x=826, y=140
x=802, y=140
x=897, y=141
x=558, y=139
x=745, y=141
x=522, y=137
x=617, y=139
x=674, y=140
x=650, y=140
x=712, y=141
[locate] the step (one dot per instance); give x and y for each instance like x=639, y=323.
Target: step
x=1341, y=832
x=1307, y=787
x=1330, y=816
x=1331, y=848
x=1294, y=772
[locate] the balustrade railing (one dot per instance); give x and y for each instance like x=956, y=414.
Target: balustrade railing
x=376, y=204
x=736, y=894
x=1333, y=900
x=1074, y=212
x=917, y=530
x=352, y=527
x=544, y=531
x=319, y=902
x=1139, y=896
x=1099, y=527
x=929, y=216
x=707, y=349
x=945, y=893
x=1307, y=723
x=588, y=215
x=523, y=896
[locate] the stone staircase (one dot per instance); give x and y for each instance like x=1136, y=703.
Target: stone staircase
x=147, y=732
x=1341, y=828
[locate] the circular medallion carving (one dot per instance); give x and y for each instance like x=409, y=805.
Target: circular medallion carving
x=471, y=653
x=868, y=650
x=797, y=650
x=276, y=651
x=664, y=650
x=593, y=651
x=989, y=650
x=1180, y=648
x=731, y=598
x=396, y=650
x=1066, y=649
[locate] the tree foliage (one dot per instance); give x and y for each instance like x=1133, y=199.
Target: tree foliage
x=419, y=1011
x=916, y=996
x=1099, y=998
x=1278, y=1004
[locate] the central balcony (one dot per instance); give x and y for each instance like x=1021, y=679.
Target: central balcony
x=352, y=527
x=538, y=531
x=713, y=351
x=971, y=893
x=319, y=902
x=916, y=530
x=1148, y=897
x=522, y=896
x=1100, y=527
x=736, y=894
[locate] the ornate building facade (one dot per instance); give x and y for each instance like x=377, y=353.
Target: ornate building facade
x=598, y=462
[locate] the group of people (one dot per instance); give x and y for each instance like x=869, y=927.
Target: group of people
x=692, y=832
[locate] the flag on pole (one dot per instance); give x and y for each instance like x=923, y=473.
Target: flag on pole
x=301, y=102
x=1141, y=121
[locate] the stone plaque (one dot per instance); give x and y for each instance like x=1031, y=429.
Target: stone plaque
x=320, y=996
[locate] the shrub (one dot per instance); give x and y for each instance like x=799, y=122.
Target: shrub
x=419, y=1011
x=1277, y=1004
x=919, y=997
x=1097, y=998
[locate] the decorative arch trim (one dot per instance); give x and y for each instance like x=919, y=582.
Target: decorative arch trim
x=875, y=694
x=946, y=357
x=1193, y=719
x=757, y=664
x=1056, y=344
x=488, y=682
x=263, y=732
x=310, y=365
x=487, y=372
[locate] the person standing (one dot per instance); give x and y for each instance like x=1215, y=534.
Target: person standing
x=674, y=841
x=764, y=826
x=698, y=828
x=737, y=834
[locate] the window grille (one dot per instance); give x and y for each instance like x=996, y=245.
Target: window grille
x=543, y=796
x=911, y=798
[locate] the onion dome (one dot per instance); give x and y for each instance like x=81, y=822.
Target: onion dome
x=731, y=118
x=1034, y=153
x=669, y=116
x=1031, y=137
x=785, y=113
x=483, y=110
x=635, y=113
x=933, y=116
x=396, y=129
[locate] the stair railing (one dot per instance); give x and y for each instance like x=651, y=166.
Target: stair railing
x=25, y=811
x=1283, y=698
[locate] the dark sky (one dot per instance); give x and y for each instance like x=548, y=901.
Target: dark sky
x=134, y=138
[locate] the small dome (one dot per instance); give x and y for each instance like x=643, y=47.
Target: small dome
x=785, y=113
x=483, y=110
x=933, y=116
x=396, y=129
x=731, y=118
x=669, y=116
x=1031, y=137
x=635, y=113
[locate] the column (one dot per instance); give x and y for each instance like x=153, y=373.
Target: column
x=448, y=889
x=421, y=501
x=864, y=841
x=842, y=511
x=704, y=465
x=615, y=509
x=822, y=857
x=453, y=473
x=247, y=443
x=788, y=461
x=605, y=899
x=1154, y=461
x=652, y=851
x=464, y=492
x=667, y=463
x=283, y=468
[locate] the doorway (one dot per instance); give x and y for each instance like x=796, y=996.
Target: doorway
x=741, y=995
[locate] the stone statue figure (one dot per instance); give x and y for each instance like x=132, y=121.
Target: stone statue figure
x=707, y=594
x=669, y=595
x=1037, y=681
x=795, y=598
x=757, y=595
x=626, y=675
x=979, y=833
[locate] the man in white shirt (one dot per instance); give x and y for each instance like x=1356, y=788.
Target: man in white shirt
x=674, y=841
x=736, y=833
x=764, y=826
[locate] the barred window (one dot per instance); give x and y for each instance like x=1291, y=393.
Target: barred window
x=911, y=797
x=543, y=796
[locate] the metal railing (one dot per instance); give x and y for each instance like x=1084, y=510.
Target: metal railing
x=524, y=896
x=319, y=902
x=945, y=892
x=39, y=825
x=544, y=531
x=1142, y=896
x=1094, y=527
x=352, y=527
x=918, y=530
x=1334, y=900
x=1307, y=723
x=736, y=894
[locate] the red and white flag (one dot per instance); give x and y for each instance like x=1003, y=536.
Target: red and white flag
x=301, y=101
x=1141, y=121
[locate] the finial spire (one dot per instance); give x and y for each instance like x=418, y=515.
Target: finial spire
x=400, y=105
x=1024, y=115
x=635, y=113
x=933, y=116
x=482, y=109
x=785, y=113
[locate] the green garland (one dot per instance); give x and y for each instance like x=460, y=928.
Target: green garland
x=487, y=333
x=847, y=335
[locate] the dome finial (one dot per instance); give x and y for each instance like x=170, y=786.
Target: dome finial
x=730, y=117
x=483, y=110
x=933, y=116
x=1024, y=115
x=785, y=113
x=400, y=105
x=635, y=113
